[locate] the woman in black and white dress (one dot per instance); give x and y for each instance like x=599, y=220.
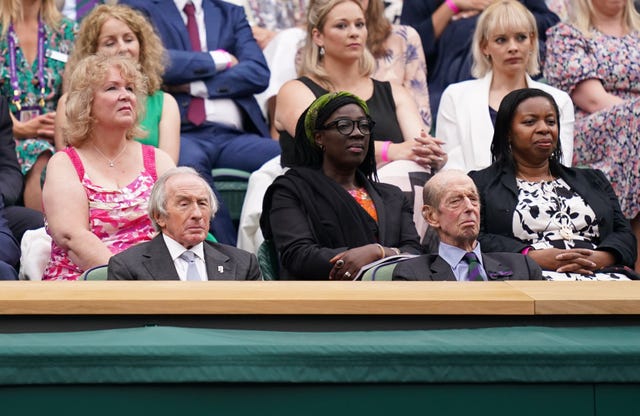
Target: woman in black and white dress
x=566, y=219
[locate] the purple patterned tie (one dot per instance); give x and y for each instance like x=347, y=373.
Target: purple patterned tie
x=474, y=267
x=195, y=112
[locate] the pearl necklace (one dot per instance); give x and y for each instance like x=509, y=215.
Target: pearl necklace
x=112, y=162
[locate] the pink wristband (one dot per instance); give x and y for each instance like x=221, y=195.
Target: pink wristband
x=525, y=250
x=384, y=153
x=455, y=9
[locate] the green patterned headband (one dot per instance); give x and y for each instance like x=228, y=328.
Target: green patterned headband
x=322, y=108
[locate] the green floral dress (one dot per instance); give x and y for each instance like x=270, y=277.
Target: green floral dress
x=58, y=42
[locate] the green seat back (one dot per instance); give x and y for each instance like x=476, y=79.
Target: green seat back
x=232, y=187
x=268, y=261
x=96, y=273
x=382, y=272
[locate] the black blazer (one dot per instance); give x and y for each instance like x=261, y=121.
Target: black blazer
x=499, y=196
x=499, y=266
x=311, y=220
x=151, y=261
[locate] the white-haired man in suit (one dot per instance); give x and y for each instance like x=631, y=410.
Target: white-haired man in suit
x=181, y=206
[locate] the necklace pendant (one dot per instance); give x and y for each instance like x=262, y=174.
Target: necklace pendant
x=565, y=233
x=111, y=164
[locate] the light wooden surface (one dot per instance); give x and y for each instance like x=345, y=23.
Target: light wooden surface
x=287, y=298
x=319, y=298
x=582, y=298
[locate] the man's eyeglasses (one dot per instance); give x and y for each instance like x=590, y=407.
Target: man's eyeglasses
x=345, y=126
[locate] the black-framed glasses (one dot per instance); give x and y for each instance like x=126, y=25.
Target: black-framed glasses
x=345, y=126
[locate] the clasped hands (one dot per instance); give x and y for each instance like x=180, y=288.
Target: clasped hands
x=425, y=150
x=347, y=264
x=42, y=127
x=576, y=260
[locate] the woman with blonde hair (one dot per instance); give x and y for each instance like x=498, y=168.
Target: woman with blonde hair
x=118, y=29
x=595, y=57
x=35, y=40
x=335, y=58
x=96, y=192
x=505, y=56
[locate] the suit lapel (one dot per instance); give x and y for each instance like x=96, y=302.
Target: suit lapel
x=219, y=266
x=213, y=23
x=440, y=270
x=157, y=260
x=481, y=119
x=176, y=23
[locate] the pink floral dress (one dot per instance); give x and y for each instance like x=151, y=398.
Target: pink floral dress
x=117, y=216
x=608, y=139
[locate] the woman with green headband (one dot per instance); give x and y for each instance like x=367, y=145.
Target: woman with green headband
x=328, y=216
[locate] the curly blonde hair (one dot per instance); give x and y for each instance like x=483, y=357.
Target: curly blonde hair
x=503, y=15
x=152, y=55
x=89, y=75
x=11, y=10
x=311, y=58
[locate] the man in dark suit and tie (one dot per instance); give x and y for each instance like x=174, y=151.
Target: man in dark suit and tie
x=452, y=208
x=215, y=67
x=180, y=206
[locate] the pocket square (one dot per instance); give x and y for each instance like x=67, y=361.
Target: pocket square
x=500, y=274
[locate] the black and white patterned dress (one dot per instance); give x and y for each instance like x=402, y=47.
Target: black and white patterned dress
x=550, y=214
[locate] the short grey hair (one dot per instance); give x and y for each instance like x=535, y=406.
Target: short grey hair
x=437, y=185
x=158, y=198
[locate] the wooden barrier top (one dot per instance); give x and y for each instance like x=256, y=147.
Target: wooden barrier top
x=318, y=298
x=582, y=298
x=279, y=297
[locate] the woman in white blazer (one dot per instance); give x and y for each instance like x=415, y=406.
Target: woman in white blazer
x=505, y=52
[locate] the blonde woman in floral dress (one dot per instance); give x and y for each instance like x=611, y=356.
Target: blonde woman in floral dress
x=97, y=190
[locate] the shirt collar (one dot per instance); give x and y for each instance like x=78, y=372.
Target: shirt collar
x=181, y=3
x=176, y=249
x=453, y=255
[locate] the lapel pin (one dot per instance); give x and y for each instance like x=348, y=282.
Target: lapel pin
x=220, y=269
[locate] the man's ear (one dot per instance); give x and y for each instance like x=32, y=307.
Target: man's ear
x=431, y=216
x=160, y=221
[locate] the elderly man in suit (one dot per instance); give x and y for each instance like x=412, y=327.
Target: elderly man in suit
x=181, y=206
x=452, y=207
x=214, y=70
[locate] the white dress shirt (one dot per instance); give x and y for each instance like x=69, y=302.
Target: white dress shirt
x=176, y=249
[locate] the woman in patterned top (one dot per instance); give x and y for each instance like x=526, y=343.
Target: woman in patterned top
x=566, y=219
x=595, y=57
x=96, y=192
x=35, y=41
x=328, y=216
